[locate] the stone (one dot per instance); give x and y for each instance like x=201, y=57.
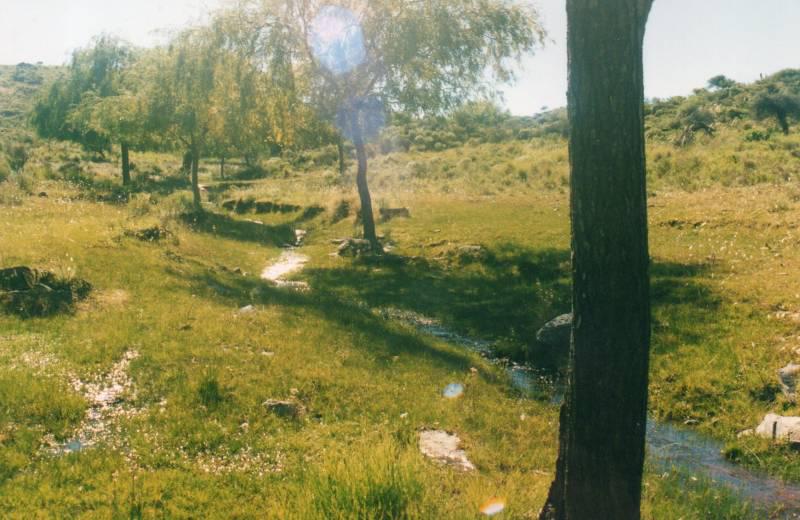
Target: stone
x=354, y=247
x=556, y=333
x=788, y=377
x=152, y=234
x=443, y=447
x=778, y=428
x=248, y=309
x=17, y=279
x=288, y=408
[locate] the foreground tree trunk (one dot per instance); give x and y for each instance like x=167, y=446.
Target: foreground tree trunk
x=367, y=218
x=126, y=165
x=604, y=417
x=198, y=202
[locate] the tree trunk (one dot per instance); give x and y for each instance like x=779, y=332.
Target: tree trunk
x=198, y=202
x=367, y=218
x=604, y=417
x=222, y=167
x=783, y=120
x=187, y=162
x=342, y=165
x=126, y=165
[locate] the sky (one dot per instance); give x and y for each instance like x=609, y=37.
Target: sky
x=687, y=42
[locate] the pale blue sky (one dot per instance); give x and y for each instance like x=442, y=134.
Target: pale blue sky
x=688, y=41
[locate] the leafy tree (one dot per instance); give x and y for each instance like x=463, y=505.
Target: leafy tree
x=179, y=95
x=69, y=109
x=779, y=104
x=359, y=61
x=694, y=118
x=721, y=82
x=604, y=417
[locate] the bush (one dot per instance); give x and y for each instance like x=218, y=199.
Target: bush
x=210, y=392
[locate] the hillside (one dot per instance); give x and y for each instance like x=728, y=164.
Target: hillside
x=19, y=86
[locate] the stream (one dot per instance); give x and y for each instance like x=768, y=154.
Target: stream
x=668, y=447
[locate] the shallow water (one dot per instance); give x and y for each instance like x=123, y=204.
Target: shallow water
x=668, y=447
x=289, y=262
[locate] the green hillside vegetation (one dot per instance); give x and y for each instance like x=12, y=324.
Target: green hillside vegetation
x=485, y=252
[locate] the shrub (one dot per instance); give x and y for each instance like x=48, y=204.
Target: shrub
x=210, y=392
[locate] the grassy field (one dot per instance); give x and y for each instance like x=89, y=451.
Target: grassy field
x=184, y=432
x=196, y=440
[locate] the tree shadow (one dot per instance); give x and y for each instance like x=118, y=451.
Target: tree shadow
x=506, y=293
x=502, y=295
x=385, y=340
x=242, y=230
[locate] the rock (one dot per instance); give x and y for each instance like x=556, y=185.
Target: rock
x=153, y=234
x=390, y=213
x=778, y=428
x=28, y=292
x=248, y=309
x=443, y=447
x=17, y=279
x=285, y=408
x=788, y=377
x=556, y=333
x=354, y=247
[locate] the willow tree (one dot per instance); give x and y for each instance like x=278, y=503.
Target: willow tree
x=604, y=418
x=181, y=79
x=361, y=60
x=120, y=118
x=66, y=110
x=254, y=105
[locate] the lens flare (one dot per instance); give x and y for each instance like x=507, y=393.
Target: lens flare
x=453, y=391
x=337, y=40
x=493, y=506
x=368, y=112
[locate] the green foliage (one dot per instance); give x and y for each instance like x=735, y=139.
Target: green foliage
x=721, y=82
x=27, y=73
x=5, y=168
x=780, y=104
x=65, y=110
x=210, y=392
x=380, y=483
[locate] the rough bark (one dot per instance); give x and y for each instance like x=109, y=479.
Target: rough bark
x=604, y=417
x=198, y=202
x=126, y=165
x=367, y=218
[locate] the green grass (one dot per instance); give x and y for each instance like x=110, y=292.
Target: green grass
x=202, y=444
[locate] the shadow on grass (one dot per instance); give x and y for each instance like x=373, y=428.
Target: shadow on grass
x=384, y=339
x=242, y=230
x=505, y=295
x=509, y=292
